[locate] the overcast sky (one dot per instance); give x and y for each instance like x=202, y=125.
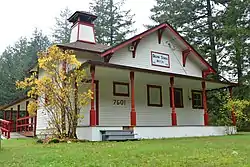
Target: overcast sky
x=20, y=17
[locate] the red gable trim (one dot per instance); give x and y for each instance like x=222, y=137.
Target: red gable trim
x=137, y=37
x=145, y=33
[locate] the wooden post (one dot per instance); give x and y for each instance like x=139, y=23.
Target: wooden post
x=18, y=112
x=173, y=114
x=11, y=111
x=27, y=114
x=233, y=111
x=132, y=113
x=10, y=125
x=4, y=115
x=35, y=124
x=204, y=95
x=92, y=110
x=17, y=117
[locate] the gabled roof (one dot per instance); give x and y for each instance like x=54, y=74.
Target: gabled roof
x=152, y=30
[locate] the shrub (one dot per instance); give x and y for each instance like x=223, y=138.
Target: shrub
x=39, y=141
x=54, y=140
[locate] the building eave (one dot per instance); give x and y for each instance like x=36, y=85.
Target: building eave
x=116, y=66
x=77, y=49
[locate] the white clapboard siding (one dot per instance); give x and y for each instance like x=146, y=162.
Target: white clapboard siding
x=84, y=113
x=143, y=57
x=111, y=115
x=147, y=115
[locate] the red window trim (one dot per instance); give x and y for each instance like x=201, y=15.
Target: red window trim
x=120, y=94
x=177, y=105
x=148, y=96
x=162, y=54
x=200, y=92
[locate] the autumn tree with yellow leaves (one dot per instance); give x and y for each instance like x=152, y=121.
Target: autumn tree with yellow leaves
x=56, y=92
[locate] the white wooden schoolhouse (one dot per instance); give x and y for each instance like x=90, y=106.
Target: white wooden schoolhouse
x=153, y=85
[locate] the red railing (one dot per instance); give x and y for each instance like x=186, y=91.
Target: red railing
x=5, y=128
x=26, y=124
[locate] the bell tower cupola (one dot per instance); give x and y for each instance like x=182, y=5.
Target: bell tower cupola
x=82, y=29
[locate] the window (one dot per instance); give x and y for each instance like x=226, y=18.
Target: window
x=120, y=89
x=154, y=95
x=197, y=99
x=178, y=97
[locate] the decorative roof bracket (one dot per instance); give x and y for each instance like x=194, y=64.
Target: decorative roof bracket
x=185, y=54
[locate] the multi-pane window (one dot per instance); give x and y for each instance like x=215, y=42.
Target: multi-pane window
x=178, y=97
x=197, y=100
x=154, y=95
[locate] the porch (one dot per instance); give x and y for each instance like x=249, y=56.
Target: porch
x=151, y=103
x=157, y=132
x=16, y=122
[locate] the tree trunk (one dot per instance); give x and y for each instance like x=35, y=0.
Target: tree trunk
x=64, y=66
x=63, y=122
x=211, y=36
x=75, y=118
x=111, y=23
x=238, y=60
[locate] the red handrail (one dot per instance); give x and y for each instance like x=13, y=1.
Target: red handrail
x=26, y=124
x=5, y=128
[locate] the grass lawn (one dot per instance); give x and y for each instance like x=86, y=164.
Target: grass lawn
x=193, y=152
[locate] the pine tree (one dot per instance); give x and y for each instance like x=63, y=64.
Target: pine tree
x=15, y=62
x=236, y=34
x=113, y=24
x=12, y=69
x=37, y=43
x=62, y=28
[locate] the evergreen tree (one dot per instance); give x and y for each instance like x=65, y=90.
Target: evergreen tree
x=236, y=34
x=15, y=62
x=38, y=42
x=12, y=64
x=113, y=24
x=62, y=28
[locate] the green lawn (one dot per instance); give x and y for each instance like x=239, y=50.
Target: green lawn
x=193, y=152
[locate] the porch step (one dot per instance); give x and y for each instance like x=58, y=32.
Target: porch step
x=117, y=135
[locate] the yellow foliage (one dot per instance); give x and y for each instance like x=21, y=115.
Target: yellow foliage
x=32, y=108
x=56, y=91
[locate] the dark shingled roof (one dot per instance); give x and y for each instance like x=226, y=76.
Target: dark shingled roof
x=97, y=48
x=83, y=15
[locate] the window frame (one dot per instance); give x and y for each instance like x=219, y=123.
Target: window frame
x=177, y=105
x=115, y=93
x=148, y=96
x=193, y=100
